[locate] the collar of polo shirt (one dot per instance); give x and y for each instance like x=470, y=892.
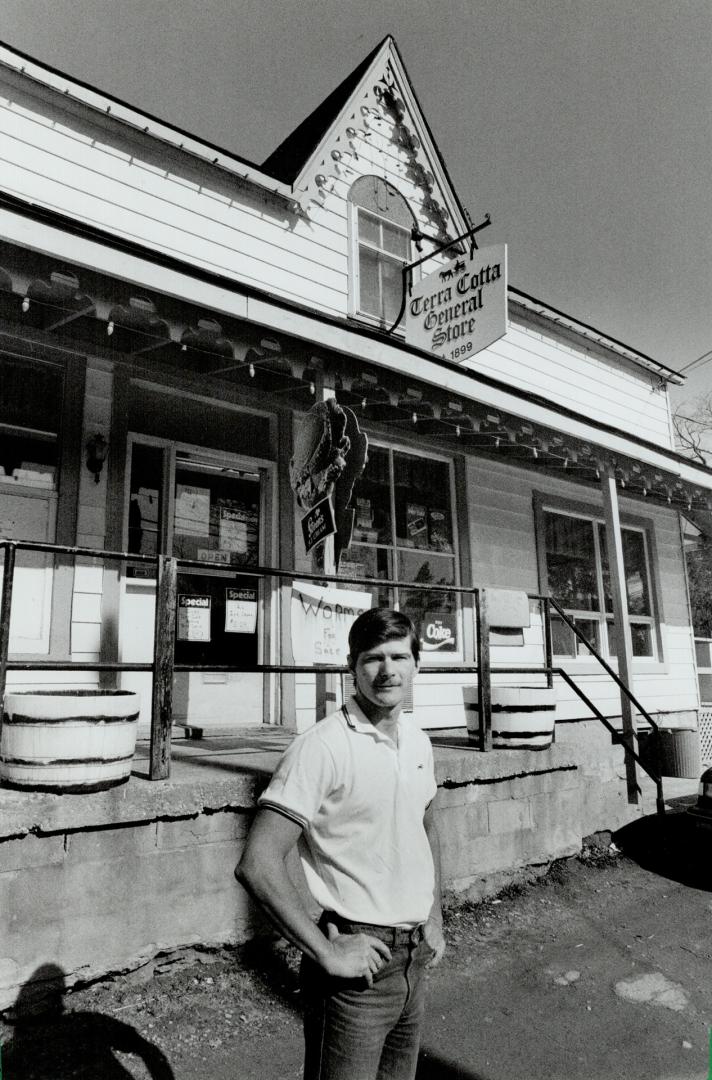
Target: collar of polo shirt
x=358, y=721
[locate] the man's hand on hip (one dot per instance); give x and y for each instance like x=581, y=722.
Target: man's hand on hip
x=355, y=956
x=435, y=940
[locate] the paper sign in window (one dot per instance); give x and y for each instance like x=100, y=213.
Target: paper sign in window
x=240, y=611
x=193, y=618
x=233, y=534
x=192, y=510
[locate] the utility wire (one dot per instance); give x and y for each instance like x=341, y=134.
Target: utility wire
x=703, y=359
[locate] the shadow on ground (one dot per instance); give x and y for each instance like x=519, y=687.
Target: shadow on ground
x=669, y=845
x=433, y=1067
x=50, y=1043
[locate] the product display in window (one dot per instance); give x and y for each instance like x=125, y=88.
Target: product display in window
x=578, y=577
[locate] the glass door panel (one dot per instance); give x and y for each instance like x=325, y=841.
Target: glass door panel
x=202, y=508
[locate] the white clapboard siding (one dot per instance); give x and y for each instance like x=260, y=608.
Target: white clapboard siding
x=95, y=210
x=611, y=390
x=124, y=176
x=87, y=592
x=65, y=680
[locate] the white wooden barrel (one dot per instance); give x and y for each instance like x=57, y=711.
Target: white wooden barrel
x=522, y=716
x=68, y=740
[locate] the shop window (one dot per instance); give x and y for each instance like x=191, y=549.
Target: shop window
x=381, y=227
x=31, y=394
x=578, y=577
x=30, y=409
x=403, y=530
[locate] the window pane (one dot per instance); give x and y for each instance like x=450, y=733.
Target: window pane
x=216, y=517
x=433, y=613
x=372, y=500
x=392, y=285
x=605, y=569
x=30, y=394
x=590, y=629
x=642, y=639
x=369, y=287
x=423, y=509
x=360, y=560
x=396, y=240
x=369, y=228
x=702, y=652
x=636, y=574
x=30, y=408
x=145, y=502
x=562, y=638
x=570, y=562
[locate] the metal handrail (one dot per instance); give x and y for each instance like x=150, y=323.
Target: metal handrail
x=607, y=667
x=618, y=738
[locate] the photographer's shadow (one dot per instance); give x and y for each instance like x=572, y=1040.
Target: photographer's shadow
x=50, y=1043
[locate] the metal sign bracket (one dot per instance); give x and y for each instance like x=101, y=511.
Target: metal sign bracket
x=408, y=268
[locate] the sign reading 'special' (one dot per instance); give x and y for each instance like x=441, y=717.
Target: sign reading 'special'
x=461, y=308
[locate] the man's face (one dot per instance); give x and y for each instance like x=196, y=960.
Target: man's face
x=384, y=673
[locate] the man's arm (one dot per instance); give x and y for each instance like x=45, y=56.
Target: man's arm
x=263, y=873
x=433, y=931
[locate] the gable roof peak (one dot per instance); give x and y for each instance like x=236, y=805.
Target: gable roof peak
x=287, y=161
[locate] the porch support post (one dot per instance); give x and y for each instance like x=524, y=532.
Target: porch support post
x=614, y=546
x=163, y=661
x=328, y=686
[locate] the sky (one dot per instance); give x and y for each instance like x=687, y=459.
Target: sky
x=583, y=128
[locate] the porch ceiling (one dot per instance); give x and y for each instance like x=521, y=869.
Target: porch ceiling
x=46, y=304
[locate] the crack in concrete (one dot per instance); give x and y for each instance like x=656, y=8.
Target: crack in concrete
x=476, y=781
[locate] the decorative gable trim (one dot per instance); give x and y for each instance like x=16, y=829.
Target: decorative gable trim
x=383, y=107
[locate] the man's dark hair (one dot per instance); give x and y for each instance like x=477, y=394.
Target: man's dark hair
x=377, y=625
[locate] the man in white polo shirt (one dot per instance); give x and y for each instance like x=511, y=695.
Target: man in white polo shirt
x=355, y=794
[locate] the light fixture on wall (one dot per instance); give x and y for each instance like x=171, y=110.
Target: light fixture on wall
x=96, y=448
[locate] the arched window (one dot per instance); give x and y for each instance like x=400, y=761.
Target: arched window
x=381, y=223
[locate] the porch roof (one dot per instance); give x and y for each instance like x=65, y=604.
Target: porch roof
x=59, y=284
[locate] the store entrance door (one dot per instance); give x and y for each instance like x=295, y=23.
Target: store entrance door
x=210, y=508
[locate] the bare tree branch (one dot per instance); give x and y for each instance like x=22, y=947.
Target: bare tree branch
x=692, y=424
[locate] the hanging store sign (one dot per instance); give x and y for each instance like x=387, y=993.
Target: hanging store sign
x=461, y=308
x=321, y=620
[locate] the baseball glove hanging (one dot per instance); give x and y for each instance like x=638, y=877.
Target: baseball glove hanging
x=320, y=449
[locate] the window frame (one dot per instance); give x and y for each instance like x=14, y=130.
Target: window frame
x=593, y=513
x=62, y=499
x=434, y=658
x=355, y=243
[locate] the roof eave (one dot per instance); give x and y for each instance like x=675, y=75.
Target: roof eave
x=108, y=105
x=560, y=318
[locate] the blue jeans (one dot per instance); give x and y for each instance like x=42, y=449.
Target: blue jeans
x=356, y=1032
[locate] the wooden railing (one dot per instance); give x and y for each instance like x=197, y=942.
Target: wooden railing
x=163, y=665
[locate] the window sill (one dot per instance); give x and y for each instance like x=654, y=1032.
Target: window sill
x=375, y=324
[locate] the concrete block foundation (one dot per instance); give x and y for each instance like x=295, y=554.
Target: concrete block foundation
x=101, y=883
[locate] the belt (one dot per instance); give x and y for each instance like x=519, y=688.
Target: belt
x=393, y=936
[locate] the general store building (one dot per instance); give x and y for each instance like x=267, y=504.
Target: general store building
x=168, y=314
